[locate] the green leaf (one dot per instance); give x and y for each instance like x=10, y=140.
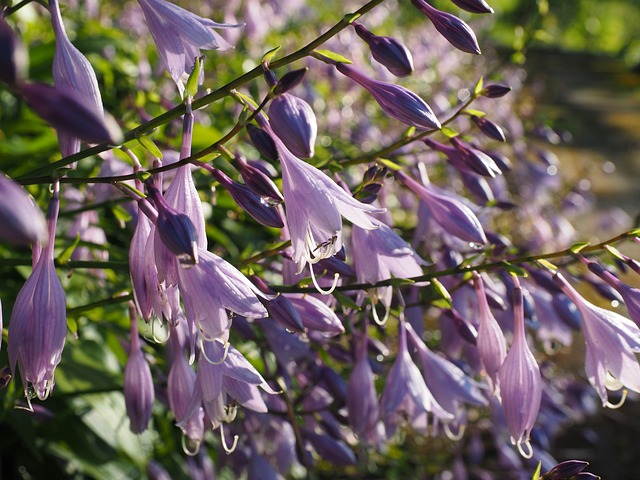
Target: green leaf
x=477, y=113
x=121, y=214
x=439, y=295
x=389, y=164
x=515, y=269
x=547, y=264
x=578, y=247
x=478, y=88
x=64, y=257
x=634, y=233
x=346, y=301
x=266, y=58
x=449, y=132
x=536, y=474
x=351, y=17
x=615, y=252
x=399, y=282
x=192, y=83
x=328, y=54
x=149, y=146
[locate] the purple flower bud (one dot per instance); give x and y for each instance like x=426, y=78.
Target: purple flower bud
x=293, y=120
x=479, y=188
x=479, y=162
x=495, y=90
x=520, y=382
x=315, y=314
x=22, y=222
x=630, y=295
x=473, y=6
x=259, y=182
x=280, y=308
x=263, y=142
x=290, y=80
x=454, y=30
x=395, y=100
x=138, y=384
x=176, y=229
x=250, y=201
x=64, y=112
x=329, y=449
x=565, y=470
x=38, y=325
x=387, y=51
x=489, y=128
x=13, y=56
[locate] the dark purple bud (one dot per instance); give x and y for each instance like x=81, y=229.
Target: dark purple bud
x=466, y=331
x=604, y=290
x=279, y=307
x=138, y=384
x=250, y=201
x=13, y=56
x=329, y=449
x=259, y=182
x=565, y=470
x=567, y=311
x=502, y=161
x=495, y=90
x=395, y=100
x=489, y=128
x=334, y=265
x=478, y=186
x=473, y=6
x=65, y=113
x=500, y=242
x=334, y=382
x=293, y=120
x=479, y=161
x=368, y=193
x=22, y=222
x=263, y=142
x=454, y=30
x=290, y=80
x=544, y=280
x=387, y=51
x=176, y=229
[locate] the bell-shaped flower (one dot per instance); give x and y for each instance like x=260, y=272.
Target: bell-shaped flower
x=406, y=391
x=213, y=287
x=520, y=382
x=396, y=101
x=490, y=341
x=388, y=51
x=362, y=400
x=293, y=120
x=612, y=342
x=380, y=254
x=22, y=222
x=14, y=58
x=38, y=324
x=454, y=30
x=73, y=73
x=450, y=386
x=179, y=36
x=138, y=384
x=314, y=204
x=452, y=214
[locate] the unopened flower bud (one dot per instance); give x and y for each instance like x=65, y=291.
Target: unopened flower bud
x=388, y=51
x=454, y=30
x=138, y=384
x=565, y=470
x=293, y=120
x=263, y=142
x=259, y=182
x=489, y=128
x=495, y=90
x=176, y=229
x=279, y=307
x=22, y=222
x=473, y=6
x=290, y=80
x=13, y=56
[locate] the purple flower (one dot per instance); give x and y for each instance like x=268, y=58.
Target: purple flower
x=293, y=120
x=565, y=470
x=612, y=342
x=315, y=314
x=395, y=100
x=73, y=73
x=213, y=287
x=138, y=384
x=387, y=51
x=474, y=6
x=180, y=35
x=14, y=58
x=22, y=222
x=451, y=214
x=457, y=33
x=259, y=182
x=489, y=128
x=38, y=325
x=520, y=382
x=495, y=90
x=490, y=341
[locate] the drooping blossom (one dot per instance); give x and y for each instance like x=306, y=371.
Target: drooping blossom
x=489, y=128
x=139, y=392
x=457, y=33
x=387, y=51
x=294, y=121
x=380, y=254
x=612, y=342
x=395, y=100
x=73, y=73
x=179, y=36
x=491, y=343
x=212, y=288
x=38, y=324
x=406, y=392
x=315, y=314
x=22, y=222
x=520, y=382
x=14, y=58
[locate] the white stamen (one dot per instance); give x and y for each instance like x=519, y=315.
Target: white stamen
x=454, y=436
x=195, y=446
x=228, y=450
x=315, y=282
x=387, y=311
x=224, y=355
x=613, y=406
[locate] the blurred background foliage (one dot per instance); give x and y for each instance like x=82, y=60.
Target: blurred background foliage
x=82, y=431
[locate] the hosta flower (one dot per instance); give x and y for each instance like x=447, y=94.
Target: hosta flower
x=73, y=73
x=138, y=384
x=395, y=100
x=315, y=314
x=38, y=325
x=22, y=222
x=14, y=58
x=388, y=51
x=612, y=342
x=179, y=36
x=293, y=120
x=474, y=6
x=520, y=382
